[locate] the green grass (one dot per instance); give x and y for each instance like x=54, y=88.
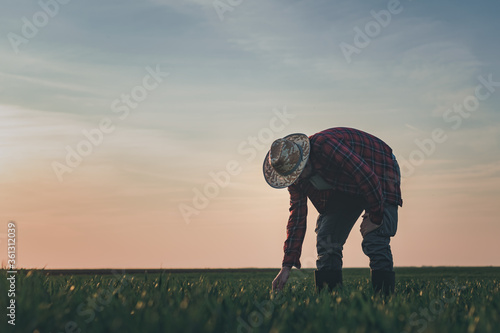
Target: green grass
x=427, y=300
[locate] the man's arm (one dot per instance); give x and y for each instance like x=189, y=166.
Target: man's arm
x=296, y=230
x=296, y=227
x=336, y=155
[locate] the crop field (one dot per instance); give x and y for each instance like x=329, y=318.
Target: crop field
x=426, y=300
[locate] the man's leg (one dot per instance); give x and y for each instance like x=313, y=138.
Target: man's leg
x=376, y=246
x=332, y=229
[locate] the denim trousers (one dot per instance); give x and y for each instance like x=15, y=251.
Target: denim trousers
x=335, y=224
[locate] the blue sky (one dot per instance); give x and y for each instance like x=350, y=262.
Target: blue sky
x=226, y=81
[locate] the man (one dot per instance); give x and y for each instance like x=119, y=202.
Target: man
x=343, y=171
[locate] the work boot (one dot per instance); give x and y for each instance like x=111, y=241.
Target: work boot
x=383, y=282
x=329, y=277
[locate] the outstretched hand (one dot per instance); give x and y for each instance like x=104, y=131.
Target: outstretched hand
x=367, y=225
x=280, y=279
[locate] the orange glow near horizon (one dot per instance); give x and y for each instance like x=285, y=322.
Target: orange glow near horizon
x=114, y=220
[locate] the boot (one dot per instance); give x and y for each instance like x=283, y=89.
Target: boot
x=383, y=282
x=330, y=278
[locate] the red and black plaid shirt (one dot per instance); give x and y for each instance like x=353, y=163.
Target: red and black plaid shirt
x=350, y=161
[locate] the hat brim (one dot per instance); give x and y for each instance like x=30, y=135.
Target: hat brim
x=276, y=180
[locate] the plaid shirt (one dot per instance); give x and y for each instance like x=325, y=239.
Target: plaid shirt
x=350, y=161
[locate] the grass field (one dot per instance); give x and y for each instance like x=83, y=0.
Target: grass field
x=426, y=300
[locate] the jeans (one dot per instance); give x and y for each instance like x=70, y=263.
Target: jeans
x=333, y=228
x=334, y=225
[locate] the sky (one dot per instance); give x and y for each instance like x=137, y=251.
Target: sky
x=132, y=133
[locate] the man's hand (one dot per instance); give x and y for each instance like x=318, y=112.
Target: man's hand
x=280, y=279
x=367, y=225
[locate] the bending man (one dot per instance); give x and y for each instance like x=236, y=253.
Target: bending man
x=343, y=171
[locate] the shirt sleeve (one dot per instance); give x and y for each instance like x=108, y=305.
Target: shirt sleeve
x=296, y=227
x=336, y=155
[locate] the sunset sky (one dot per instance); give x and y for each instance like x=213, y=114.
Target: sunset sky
x=132, y=133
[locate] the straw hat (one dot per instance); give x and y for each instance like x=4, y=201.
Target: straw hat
x=286, y=160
